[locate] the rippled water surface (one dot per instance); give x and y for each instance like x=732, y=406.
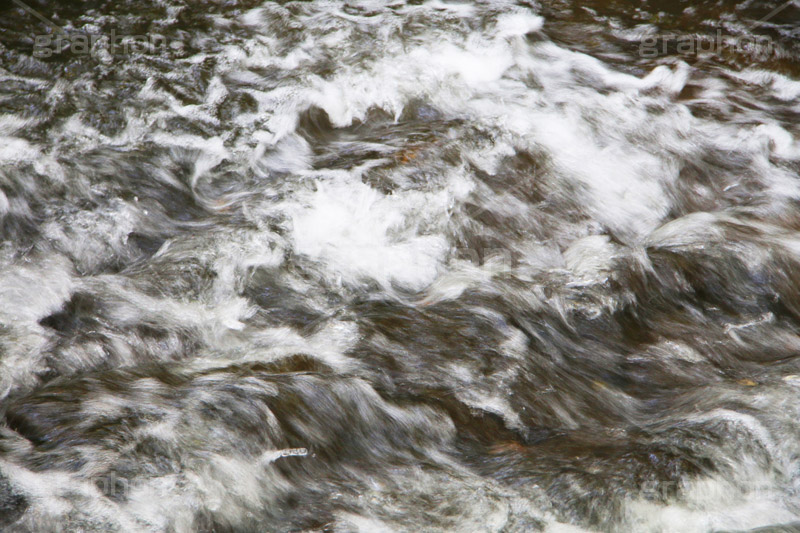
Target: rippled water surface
x=399, y=266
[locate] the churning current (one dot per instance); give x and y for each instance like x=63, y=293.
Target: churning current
x=399, y=266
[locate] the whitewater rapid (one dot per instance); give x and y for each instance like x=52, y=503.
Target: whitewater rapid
x=398, y=266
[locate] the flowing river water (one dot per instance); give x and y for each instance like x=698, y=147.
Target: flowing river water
x=399, y=266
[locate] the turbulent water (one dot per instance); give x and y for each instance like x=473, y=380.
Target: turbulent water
x=399, y=266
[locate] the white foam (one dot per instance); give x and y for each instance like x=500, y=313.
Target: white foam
x=590, y=257
x=783, y=87
x=692, y=229
x=360, y=233
x=16, y=150
x=713, y=504
x=516, y=24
